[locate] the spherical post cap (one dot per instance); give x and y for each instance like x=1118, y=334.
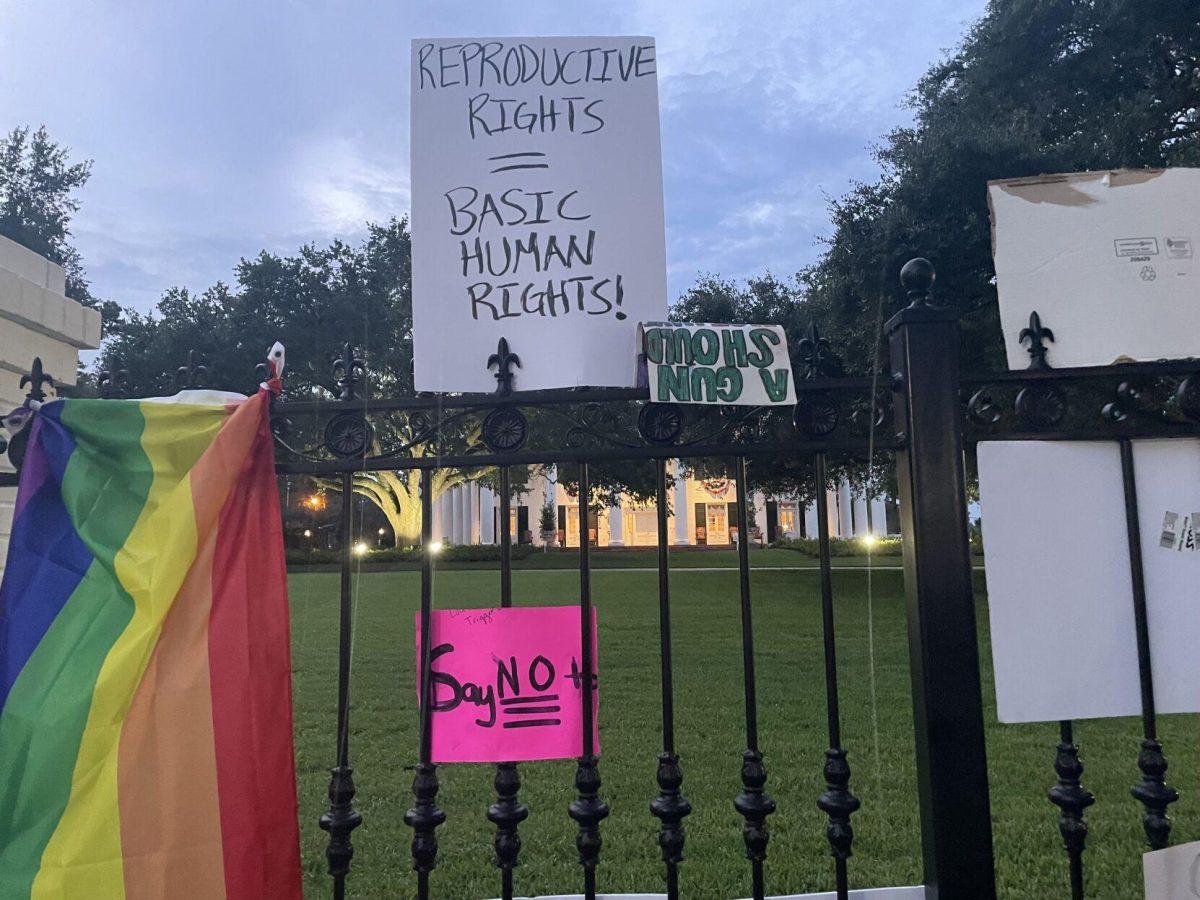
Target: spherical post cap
x=918, y=275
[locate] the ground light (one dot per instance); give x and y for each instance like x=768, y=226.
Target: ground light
x=360, y=549
x=869, y=540
x=435, y=546
x=308, y=532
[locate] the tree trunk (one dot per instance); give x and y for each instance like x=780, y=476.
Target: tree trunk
x=398, y=496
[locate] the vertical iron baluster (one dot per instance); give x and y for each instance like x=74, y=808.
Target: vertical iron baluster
x=837, y=802
x=1070, y=796
x=1153, y=791
x=425, y=816
x=587, y=809
x=342, y=818
x=670, y=806
x=507, y=813
x=753, y=802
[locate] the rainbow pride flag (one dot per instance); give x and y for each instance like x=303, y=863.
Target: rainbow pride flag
x=145, y=679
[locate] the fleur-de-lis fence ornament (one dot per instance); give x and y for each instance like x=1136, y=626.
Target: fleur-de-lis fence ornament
x=1037, y=334
x=114, y=382
x=350, y=372
x=817, y=413
x=503, y=360
x=193, y=376
x=817, y=355
x=36, y=379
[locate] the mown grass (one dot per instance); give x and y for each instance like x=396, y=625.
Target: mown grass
x=877, y=728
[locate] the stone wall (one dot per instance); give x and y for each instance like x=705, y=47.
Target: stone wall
x=36, y=319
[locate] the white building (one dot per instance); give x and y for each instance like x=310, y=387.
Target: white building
x=703, y=513
x=36, y=319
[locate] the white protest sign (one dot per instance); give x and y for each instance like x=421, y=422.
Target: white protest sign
x=537, y=208
x=1110, y=261
x=1172, y=874
x=728, y=365
x=1060, y=592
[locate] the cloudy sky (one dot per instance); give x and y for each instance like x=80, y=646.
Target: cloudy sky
x=228, y=126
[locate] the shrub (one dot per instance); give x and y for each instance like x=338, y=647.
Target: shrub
x=465, y=553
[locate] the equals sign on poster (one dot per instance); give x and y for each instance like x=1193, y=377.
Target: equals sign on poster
x=509, y=162
x=530, y=712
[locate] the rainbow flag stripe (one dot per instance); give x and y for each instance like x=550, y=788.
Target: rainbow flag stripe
x=145, y=678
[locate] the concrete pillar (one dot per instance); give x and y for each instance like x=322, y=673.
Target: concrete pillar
x=683, y=512
x=487, y=515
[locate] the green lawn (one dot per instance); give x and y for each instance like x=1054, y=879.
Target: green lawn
x=710, y=738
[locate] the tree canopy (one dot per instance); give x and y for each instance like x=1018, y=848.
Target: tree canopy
x=38, y=185
x=1037, y=86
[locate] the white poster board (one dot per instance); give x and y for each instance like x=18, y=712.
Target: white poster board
x=720, y=365
x=537, y=208
x=1109, y=260
x=1172, y=874
x=1059, y=584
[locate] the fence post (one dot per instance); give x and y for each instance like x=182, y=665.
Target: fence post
x=956, y=829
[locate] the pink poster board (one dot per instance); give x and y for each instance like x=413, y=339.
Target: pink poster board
x=508, y=684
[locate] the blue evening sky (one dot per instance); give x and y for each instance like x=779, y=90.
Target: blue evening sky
x=220, y=128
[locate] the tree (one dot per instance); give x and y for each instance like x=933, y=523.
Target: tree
x=1037, y=86
x=314, y=302
x=37, y=201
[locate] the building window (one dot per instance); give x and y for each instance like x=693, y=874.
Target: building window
x=716, y=522
x=645, y=527
x=788, y=522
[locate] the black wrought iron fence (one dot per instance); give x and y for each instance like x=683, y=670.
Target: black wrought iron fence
x=934, y=417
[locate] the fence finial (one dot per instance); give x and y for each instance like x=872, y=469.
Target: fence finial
x=350, y=371
x=917, y=277
x=503, y=360
x=36, y=378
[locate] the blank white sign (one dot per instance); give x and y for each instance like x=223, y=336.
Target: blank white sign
x=1060, y=593
x=1172, y=874
x=537, y=208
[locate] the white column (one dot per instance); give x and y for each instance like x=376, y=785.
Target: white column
x=844, y=505
x=683, y=534
x=810, y=521
x=831, y=500
x=878, y=517
x=487, y=515
x=445, y=519
x=435, y=527
x=760, y=515
x=616, y=524
x=472, y=490
x=456, y=507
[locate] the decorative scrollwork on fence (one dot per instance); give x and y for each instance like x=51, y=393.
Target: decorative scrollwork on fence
x=505, y=429
x=660, y=423
x=817, y=414
x=348, y=435
x=1040, y=405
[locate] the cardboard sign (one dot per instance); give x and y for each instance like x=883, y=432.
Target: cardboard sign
x=537, y=208
x=508, y=684
x=1060, y=593
x=1109, y=260
x=1173, y=873
x=726, y=365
